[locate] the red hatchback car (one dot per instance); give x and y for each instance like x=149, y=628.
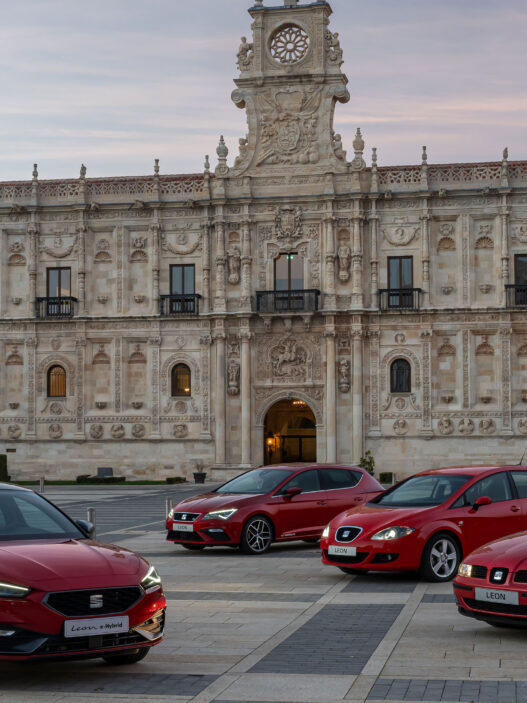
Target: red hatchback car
x=491, y=583
x=270, y=504
x=64, y=594
x=428, y=521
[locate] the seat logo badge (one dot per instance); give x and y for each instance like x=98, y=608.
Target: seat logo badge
x=346, y=534
x=96, y=601
x=498, y=575
x=184, y=516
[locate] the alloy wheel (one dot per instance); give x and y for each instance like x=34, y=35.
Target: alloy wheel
x=258, y=535
x=443, y=558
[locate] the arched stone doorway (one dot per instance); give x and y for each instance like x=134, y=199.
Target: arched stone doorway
x=290, y=433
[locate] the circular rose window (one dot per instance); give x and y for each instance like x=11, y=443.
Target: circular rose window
x=289, y=44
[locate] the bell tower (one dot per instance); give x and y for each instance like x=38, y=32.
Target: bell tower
x=290, y=80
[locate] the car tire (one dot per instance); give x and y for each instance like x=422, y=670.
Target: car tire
x=257, y=535
x=441, y=558
x=129, y=656
x=350, y=570
x=193, y=547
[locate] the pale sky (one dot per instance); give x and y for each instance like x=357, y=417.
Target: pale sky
x=117, y=83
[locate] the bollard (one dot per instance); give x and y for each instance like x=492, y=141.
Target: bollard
x=168, y=506
x=41, y=484
x=93, y=519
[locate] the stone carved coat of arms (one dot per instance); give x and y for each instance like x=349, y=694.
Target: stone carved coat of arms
x=288, y=223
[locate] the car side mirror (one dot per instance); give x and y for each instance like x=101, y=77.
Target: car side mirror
x=292, y=492
x=87, y=527
x=482, y=500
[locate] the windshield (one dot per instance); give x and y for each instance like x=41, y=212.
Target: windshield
x=28, y=516
x=422, y=491
x=258, y=481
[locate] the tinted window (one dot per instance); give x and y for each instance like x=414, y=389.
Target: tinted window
x=422, y=491
x=520, y=481
x=307, y=481
x=28, y=516
x=496, y=487
x=259, y=481
x=339, y=478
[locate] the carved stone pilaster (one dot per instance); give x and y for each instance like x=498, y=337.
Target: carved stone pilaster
x=374, y=233
x=32, y=231
x=465, y=257
x=375, y=422
x=357, y=414
x=425, y=253
x=205, y=260
x=31, y=350
x=245, y=338
x=466, y=368
x=245, y=301
x=155, y=349
x=357, y=298
x=119, y=244
x=81, y=257
x=506, y=397
x=220, y=303
x=219, y=341
x=118, y=355
x=505, y=264
x=331, y=400
x=205, y=341
x=155, y=229
x=80, y=350
x=426, y=342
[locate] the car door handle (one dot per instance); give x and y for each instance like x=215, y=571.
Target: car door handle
x=358, y=499
x=515, y=509
x=321, y=502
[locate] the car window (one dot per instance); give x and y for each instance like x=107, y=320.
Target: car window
x=257, y=481
x=422, y=491
x=496, y=487
x=520, y=481
x=307, y=481
x=339, y=478
x=28, y=516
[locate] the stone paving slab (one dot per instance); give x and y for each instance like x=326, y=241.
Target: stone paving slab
x=381, y=583
x=451, y=690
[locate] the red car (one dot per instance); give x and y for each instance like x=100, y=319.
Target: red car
x=64, y=594
x=428, y=521
x=492, y=581
x=270, y=504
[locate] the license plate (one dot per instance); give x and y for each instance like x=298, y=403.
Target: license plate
x=490, y=596
x=87, y=627
x=183, y=527
x=342, y=551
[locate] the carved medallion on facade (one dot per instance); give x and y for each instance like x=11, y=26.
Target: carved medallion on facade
x=400, y=426
x=401, y=232
x=180, y=431
x=487, y=426
x=445, y=426
x=519, y=232
x=288, y=360
x=14, y=431
x=117, y=431
x=96, y=431
x=288, y=223
x=138, y=431
x=465, y=426
x=55, y=430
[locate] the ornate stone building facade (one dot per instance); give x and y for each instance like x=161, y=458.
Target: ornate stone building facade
x=297, y=303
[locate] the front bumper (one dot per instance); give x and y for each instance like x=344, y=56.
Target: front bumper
x=402, y=554
x=208, y=533
x=38, y=631
x=499, y=613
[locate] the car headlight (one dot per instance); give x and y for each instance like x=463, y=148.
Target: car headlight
x=151, y=579
x=465, y=570
x=11, y=590
x=325, y=532
x=170, y=514
x=221, y=514
x=393, y=533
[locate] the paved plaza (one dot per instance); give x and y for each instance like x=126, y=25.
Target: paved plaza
x=278, y=628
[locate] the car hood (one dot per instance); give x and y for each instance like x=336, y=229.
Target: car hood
x=374, y=518
x=63, y=565
x=509, y=552
x=206, y=502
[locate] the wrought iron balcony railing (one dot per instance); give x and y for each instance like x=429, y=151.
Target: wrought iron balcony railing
x=516, y=296
x=399, y=299
x=179, y=304
x=271, y=301
x=61, y=307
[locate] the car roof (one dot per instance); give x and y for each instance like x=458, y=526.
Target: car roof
x=296, y=466
x=471, y=470
x=12, y=487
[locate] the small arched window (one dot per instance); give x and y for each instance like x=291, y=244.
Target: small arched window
x=400, y=377
x=181, y=380
x=56, y=382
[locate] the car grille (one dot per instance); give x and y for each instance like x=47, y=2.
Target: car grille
x=347, y=534
x=479, y=572
x=77, y=603
x=181, y=536
x=521, y=577
x=502, y=608
x=360, y=556
x=188, y=517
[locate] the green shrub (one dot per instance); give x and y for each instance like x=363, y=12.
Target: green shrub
x=175, y=479
x=86, y=478
x=367, y=462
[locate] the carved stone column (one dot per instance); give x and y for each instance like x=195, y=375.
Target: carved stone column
x=465, y=256
x=81, y=244
x=118, y=353
x=205, y=341
x=426, y=338
x=219, y=410
x=506, y=400
x=119, y=246
x=375, y=422
x=220, y=303
x=245, y=302
x=205, y=253
x=357, y=430
x=330, y=301
x=155, y=345
x=32, y=231
x=80, y=348
x=31, y=348
x=357, y=298
x=155, y=229
x=466, y=368
x=245, y=392
x=331, y=400
x=505, y=264
x=374, y=233
x=425, y=253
